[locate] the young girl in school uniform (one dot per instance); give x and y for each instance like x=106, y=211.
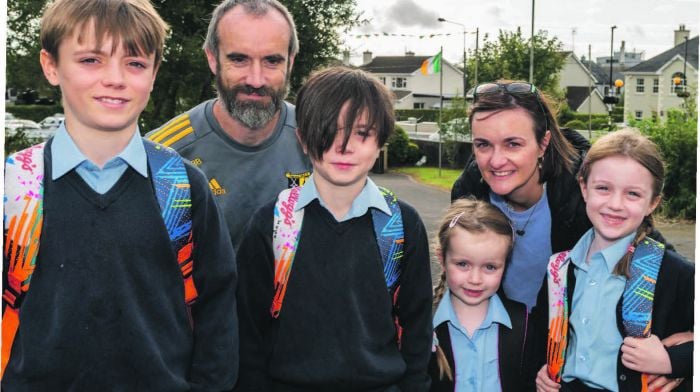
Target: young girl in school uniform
x=618, y=293
x=479, y=334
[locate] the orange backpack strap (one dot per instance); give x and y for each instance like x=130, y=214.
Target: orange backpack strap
x=24, y=176
x=557, y=338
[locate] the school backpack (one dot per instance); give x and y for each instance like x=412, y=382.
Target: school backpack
x=24, y=192
x=286, y=231
x=637, y=300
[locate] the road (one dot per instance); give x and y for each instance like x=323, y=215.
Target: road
x=432, y=202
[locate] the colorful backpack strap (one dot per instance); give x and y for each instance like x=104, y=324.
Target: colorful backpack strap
x=637, y=300
x=557, y=269
x=172, y=188
x=24, y=190
x=388, y=230
x=286, y=231
x=24, y=175
x=638, y=296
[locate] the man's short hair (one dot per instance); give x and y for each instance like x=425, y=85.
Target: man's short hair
x=322, y=97
x=251, y=7
x=134, y=24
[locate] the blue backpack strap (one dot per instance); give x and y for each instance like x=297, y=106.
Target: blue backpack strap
x=390, y=238
x=638, y=296
x=172, y=188
x=389, y=232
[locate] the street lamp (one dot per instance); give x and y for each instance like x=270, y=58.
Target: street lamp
x=464, y=46
x=683, y=93
x=610, y=100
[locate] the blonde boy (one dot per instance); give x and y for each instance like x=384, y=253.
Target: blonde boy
x=106, y=309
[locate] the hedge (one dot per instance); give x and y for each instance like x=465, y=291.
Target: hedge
x=33, y=112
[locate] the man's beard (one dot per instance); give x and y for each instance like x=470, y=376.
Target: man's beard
x=252, y=114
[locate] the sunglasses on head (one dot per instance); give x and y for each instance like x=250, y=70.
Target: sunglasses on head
x=510, y=88
x=513, y=88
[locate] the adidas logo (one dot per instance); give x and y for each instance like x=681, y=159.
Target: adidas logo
x=216, y=189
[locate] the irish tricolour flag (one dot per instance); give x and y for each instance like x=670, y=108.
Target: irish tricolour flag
x=432, y=65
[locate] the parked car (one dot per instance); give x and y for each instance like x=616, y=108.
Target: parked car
x=15, y=124
x=30, y=128
x=50, y=123
x=457, y=129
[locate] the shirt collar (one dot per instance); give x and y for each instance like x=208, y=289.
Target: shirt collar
x=612, y=254
x=370, y=196
x=496, y=313
x=134, y=154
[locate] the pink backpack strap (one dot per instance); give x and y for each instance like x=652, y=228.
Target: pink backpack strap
x=286, y=231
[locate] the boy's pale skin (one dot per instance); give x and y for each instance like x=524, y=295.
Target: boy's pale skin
x=103, y=92
x=340, y=175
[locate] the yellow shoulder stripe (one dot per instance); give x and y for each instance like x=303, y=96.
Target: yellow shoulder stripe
x=177, y=136
x=177, y=125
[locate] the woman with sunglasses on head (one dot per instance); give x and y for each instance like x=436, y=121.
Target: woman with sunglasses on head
x=525, y=165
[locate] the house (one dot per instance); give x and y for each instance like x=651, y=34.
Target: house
x=622, y=59
x=575, y=79
x=651, y=91
x=411, y=88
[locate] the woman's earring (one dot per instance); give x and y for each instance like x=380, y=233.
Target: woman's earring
x=539, y=162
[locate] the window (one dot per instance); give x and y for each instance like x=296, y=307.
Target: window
x=661, y=113
x=654, y=116
x=398, y=82
x=637, y=114
x=677, y=82
x=382, y=79
x=419, y=105
x=655, y=88
x=640, y=85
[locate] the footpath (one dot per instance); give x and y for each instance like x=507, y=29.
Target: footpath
x=431, y=203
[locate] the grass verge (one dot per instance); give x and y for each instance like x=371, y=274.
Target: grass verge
x=429, y=175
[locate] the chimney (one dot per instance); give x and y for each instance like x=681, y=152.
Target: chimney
x=622, y=55
x=366, y=57
x=680, y=35
x=346, y=57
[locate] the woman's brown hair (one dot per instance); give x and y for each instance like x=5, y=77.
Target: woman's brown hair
x=560, y=156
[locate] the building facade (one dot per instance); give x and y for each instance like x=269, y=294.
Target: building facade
x=650, y=88
x=412, y=89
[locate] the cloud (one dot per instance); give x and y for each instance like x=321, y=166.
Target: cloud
x=408, y=13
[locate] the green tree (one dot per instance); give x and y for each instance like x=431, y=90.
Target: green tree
x=184, y=78
x=509, y=58
x=22, y=51
x=454, y=129
x=677, y=140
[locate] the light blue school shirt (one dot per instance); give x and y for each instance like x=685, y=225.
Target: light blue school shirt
x=525, y=274
x=370, y=196
x=475, y=357
x=594, y=339
x=66, y=156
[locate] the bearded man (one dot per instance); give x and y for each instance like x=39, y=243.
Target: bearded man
x=244, y=140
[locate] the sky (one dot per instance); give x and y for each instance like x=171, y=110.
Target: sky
x=645, y=25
